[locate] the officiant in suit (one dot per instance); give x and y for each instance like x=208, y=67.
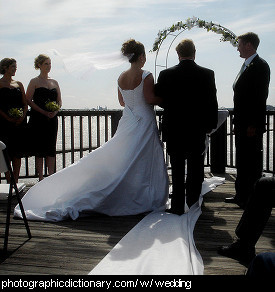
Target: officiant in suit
x=190, y=108
x=250, y=95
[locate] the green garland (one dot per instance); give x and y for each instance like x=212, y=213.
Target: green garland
x=227, y=35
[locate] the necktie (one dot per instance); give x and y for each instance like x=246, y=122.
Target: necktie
x=239, y=74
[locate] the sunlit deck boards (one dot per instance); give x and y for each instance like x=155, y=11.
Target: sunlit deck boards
x=76, y=247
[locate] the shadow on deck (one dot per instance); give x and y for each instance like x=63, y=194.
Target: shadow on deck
x=76, y=247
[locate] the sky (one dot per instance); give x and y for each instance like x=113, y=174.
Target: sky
x=98, y=28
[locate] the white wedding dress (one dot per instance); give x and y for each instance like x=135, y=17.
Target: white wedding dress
x=125, y=176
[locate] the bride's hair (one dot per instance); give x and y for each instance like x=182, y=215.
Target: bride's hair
x=132, y=50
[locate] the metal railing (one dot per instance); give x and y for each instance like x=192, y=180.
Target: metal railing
x=82, y=131
x=268, y=143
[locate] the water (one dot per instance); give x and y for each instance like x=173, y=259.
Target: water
x=94, y=140
x=268, y=148
x=89, y=141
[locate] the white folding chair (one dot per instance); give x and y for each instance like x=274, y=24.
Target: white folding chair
x=5, y=166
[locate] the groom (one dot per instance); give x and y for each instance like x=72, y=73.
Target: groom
x=190, y=112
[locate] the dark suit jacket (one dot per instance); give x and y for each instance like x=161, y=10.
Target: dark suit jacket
x=189, y=101
x=250, y=94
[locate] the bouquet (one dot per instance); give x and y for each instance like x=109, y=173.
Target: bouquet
x=16, y=113
x=52, y=106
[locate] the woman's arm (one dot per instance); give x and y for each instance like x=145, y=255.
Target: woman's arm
x=120, y=98
x=24, y=100
x=6, y=117
x=58, y=100
x=149, y=92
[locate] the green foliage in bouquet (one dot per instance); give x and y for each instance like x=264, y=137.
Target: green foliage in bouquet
x=16, y=113
x=52, y=106
x=226, y=34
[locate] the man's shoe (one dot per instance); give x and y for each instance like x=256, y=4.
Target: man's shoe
x=233, y=200
x=175, y=211
x=238, y=252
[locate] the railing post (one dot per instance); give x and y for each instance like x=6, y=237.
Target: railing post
x=115, y=119
x=218, y=150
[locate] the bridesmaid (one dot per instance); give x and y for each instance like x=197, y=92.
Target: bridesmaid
x=44, y=97
x=13, y=110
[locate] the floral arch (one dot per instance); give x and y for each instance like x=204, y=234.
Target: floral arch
x=226, y=34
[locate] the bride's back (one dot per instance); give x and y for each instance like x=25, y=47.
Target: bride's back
x=130, y=80
x=131, y=89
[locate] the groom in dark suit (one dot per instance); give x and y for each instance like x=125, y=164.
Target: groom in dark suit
x=250, y=94
x=190, y=112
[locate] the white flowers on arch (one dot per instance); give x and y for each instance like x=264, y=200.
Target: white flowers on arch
x=227, y=35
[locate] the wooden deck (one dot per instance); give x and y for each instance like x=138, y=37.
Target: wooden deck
x=76, y=247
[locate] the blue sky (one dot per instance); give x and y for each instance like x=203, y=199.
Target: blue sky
x=31, y=27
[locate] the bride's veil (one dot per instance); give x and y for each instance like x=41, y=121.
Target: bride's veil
x=82, y=64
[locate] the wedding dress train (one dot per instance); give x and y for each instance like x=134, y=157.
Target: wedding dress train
x=160, y=244
x=125, y=176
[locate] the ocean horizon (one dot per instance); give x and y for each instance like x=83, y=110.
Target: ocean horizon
x=75, y=141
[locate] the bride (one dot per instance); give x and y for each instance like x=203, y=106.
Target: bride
x=125, y=176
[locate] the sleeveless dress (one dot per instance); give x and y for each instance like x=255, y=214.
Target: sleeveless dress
x=43, y=130
x=125, y=176
x=11, y=134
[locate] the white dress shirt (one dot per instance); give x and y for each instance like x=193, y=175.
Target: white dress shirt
x=249, y=60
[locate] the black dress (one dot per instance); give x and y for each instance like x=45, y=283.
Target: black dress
x=43, y=130
x=11, y=134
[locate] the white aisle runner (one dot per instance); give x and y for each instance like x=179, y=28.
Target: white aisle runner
x=160, y=244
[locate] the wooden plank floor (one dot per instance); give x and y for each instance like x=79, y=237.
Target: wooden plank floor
x=216, y=227
x=76, y=247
